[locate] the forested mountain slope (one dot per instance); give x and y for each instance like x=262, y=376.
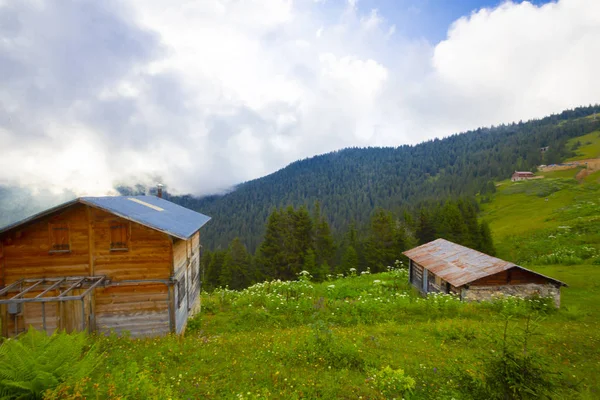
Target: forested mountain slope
x=350, y=183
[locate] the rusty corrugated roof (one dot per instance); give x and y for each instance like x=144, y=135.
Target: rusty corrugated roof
x=458, y=264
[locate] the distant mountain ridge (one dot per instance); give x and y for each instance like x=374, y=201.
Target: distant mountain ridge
x=350, y=183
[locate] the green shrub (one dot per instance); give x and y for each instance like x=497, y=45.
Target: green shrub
x=36, y=362
x=392, y=383
x=511, y=371
x=323, y=347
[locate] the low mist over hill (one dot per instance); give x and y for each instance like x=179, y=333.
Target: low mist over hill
x=350, y=183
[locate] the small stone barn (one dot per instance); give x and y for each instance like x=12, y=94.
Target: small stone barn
x=522, y=176
x=121, y=263
x=445, y=267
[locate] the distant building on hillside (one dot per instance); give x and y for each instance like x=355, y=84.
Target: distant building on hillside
x=544, y=149
x=101, y=264
x=445, y=267
x=522, y=176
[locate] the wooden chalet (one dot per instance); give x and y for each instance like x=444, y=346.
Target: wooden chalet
x=522, y=176
x=122, y=263
x=445, y=267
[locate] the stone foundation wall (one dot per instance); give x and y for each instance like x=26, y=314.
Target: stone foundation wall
x=479, y=293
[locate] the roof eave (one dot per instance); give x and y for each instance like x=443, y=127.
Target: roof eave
x=175, y=235
x=24, y=221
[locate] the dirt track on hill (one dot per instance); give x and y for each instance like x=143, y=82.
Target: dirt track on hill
x=593, y=164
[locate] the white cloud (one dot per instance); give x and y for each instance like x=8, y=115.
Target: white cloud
x=520, y=60
x=206, y=94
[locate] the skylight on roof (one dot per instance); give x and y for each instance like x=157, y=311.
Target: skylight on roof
x=152, y=206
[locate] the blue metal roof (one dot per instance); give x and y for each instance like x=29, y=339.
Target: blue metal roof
x=150, y=211
x=153, y=212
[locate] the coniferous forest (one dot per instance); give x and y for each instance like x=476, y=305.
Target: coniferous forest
x=361, y=207
x=351, y=183
x=296, y=240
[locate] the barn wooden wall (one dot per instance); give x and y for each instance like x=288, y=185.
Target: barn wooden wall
x=142, y=308
x=63, y=316
x=26, y=251
x=186, y=261
x=513, y=276
x=148, y=257
x=416, y=275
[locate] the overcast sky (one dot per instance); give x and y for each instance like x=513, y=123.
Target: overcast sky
x=205, y=94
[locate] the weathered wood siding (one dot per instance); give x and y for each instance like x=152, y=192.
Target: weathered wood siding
x=141, y=309
x=27, y=250
x=434, y=283
x=148, y=256
x=416, y=275
x=138, y=307
x=186, y=261
x=513, y=276
x=63, y=316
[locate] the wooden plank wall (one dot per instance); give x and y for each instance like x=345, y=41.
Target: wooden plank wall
x=27, y=251
x=148, y=256
x=63, y=316
x=141, y=309
x=186, y=259
x=417, y=275
x=513, y=276
x=432, y=286
x=196, y=278
x=1, y=264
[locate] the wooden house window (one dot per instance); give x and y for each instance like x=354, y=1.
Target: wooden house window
x=438, y=281
x=119, y=236
x=60, y=241
x=181, y=290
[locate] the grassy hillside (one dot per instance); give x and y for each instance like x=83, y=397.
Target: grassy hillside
x=293, y=340
x=586, y=146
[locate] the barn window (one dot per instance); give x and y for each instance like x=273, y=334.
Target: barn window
x=180, y=290
x=59, y=237
x=438, y=281
x=119, y=236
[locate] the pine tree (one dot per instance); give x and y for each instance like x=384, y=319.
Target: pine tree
x=324, y=244
x=237, y=267
x=349, y=260
x=486, y=244
x=310, y=264
x=270, y=255
x=425, y=227
x=380, y=248
x=214, y=269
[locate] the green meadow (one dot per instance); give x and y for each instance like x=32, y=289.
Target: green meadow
x=368, y=336
x=587, y=146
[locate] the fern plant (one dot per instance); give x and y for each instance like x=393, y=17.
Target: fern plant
x=36, y=362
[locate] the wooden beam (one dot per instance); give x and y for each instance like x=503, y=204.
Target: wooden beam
x=24, y=292
x=9, y=287
x=2, y=263
x=89, y=212
x=73, y=286
x=50, y=288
